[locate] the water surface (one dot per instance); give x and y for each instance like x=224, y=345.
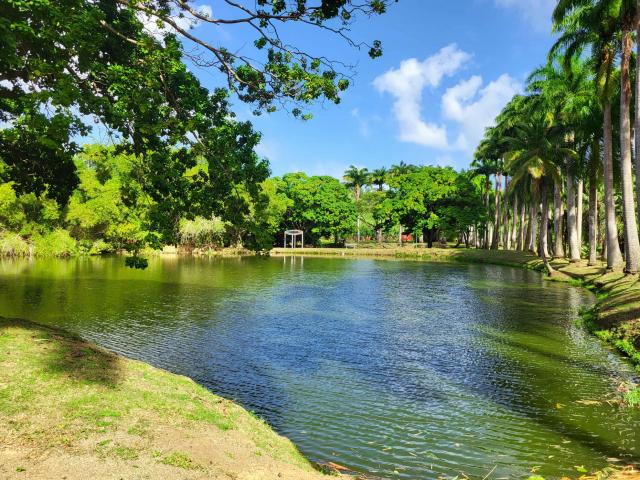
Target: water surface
x=400, y=369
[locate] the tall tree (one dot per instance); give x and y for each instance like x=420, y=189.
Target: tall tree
x=355, y=178
x=378, y=177
x=587, y=25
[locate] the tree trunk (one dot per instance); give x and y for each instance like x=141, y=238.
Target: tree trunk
x=632, y=251
x=522, y=227
x=486, y=237
x=427, y=233
x=594, y=226
x=637, y=120
x=579, y=200
x=506, y=232
x=495, y=241
x=532, y=229
x=514, y=223
x=572, y=224
x=544, y=221
x=614, y=256
x=593, y=214
x=558, y=217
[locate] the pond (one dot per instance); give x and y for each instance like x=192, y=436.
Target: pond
x=400, y=369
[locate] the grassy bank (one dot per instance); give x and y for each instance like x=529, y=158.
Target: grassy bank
x=71, y=410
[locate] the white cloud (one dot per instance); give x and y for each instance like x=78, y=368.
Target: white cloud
x=536, y=12
x=185, y=22
x=475, y=108
x=407, y=83
x=365, y=122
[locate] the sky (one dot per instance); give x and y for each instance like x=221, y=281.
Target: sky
x=448, y=68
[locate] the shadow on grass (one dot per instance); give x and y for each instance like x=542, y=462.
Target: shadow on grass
x=62, y=354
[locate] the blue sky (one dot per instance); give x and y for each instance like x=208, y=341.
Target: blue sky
x=448, y=67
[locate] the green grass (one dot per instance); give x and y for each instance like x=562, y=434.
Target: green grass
x=58, y=391
x=180, y=460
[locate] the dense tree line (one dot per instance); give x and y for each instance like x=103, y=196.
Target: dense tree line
x=572, y=128
x=111, y=209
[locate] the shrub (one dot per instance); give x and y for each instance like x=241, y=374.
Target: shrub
x=632, y=397
x=99, y=247
x=57, y=243
x=11, y=214
x=201, y=232
x=13, y=245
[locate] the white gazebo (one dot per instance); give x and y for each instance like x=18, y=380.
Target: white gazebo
x=294, y=235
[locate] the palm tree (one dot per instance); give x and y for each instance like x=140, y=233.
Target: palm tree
x=637, y=119
x=628, y=17
x=378, y=177
x=401, y=169
x=483, y=167
x=356, y=178
x=586, y=25
x=535, y=149
x=558, y=89
x=488, y=161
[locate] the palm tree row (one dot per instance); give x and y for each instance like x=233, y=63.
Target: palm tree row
x=559, y=136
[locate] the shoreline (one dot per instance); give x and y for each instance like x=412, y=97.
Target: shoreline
x=71, y=409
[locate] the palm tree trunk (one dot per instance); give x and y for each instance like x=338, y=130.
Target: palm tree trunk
x=544, y=221
x=614, y=256
x=514, y=223
x=594, y=226
x=572, y=226
x=534, y=206
x=558, y=217
x=593, y=216
x=506, y=233
x=579, y=201
x=487, y=188
x=632, y=251
x=495, y=241
x=637, y=120
x=522, y=228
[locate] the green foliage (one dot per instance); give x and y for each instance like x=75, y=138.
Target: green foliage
x=57, y=243
x=265, y=217
x=13, y=245
x=202, y=232
x=11, y=214
x=319, y=205
x=371, y=211
x=64, y=61
x=110, y=203
x=632, y=397
x=434, y=201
